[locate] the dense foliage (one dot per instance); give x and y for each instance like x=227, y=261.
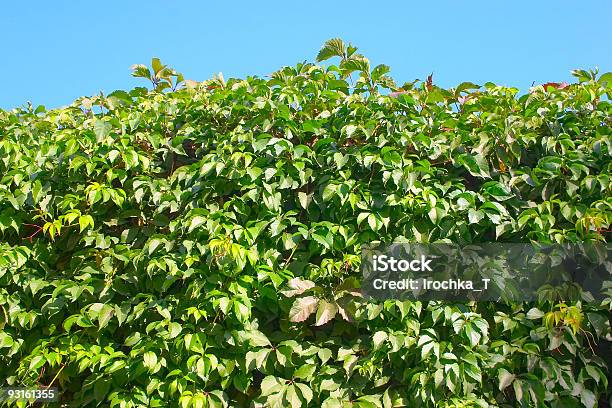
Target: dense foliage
x=197, y=244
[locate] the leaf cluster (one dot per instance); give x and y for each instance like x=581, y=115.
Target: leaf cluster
x=198, y=246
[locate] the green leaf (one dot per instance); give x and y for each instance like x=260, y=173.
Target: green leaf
x=356, y=63
x=101, y=129
x=324, y=354
x=156, y=65
x=379, y=71
x=329, y=192
x=374, y=222
x=362, y=217
x=475, y=216
x=534, y=314
x=270, y=385
x=258, y=339
x=174, y=329
x=196, y=221
x=464, y=86
x=84, y=221
x=475, y=164
x=333, y=47
x=150, y=360
x=322, y=240
x=104, y=316
x=6, y=340
x=379, y=338
x=472, y=334
x=304, y=199
x=325, y=312
x=116, y=366
x=588, y=398
x=37, y=362
x=292, y=397
x=497, y=190
x=305, y=391
x=305, y=371
x=606, y=80
x=101, y=388
x=600, y=323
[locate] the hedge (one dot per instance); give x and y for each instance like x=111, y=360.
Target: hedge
x=197, y=244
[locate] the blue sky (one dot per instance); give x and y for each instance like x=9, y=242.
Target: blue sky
x=55, y=51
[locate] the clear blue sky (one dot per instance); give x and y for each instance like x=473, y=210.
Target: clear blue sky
x=55, y=51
